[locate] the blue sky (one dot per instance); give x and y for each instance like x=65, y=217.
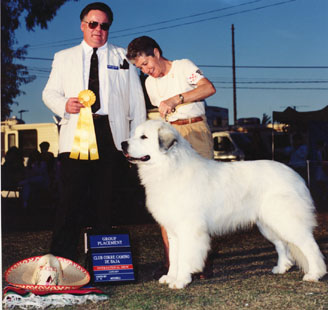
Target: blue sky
x=278, y=33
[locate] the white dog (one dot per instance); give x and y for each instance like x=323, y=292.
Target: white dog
x=193, y=198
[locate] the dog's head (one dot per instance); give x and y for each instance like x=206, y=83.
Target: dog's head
x=152, y=139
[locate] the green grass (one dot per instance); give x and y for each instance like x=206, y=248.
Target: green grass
x=242, y=277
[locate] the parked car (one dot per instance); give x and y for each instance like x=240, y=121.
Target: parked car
x=225, y=148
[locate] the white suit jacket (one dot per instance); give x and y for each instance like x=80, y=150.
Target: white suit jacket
x=126, y=104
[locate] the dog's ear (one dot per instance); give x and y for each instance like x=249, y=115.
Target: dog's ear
x=166, y=138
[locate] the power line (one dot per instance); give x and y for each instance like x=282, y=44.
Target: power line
x=264, y=67
x=186, y=17
x=274, y=88
x=261, y=78
x=39, y=69
x=272, y=82
x=206, y=19
x=38, y=58
x=226, y=66
x=224, y=80
x=69, y=41
x=157, y=23
x=56, y=42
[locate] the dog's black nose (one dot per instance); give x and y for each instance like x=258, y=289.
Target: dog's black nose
x=124, y=145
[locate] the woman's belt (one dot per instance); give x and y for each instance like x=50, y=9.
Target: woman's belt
x=187, y=121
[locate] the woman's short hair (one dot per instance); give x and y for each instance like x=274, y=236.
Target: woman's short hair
x=142, y=46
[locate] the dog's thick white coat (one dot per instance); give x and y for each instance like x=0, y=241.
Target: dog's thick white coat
x=193, y=198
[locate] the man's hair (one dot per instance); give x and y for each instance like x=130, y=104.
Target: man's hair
x=98, y=6
x=142, y=46
x=44, y=145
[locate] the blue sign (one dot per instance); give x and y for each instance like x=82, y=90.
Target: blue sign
x=109, y=241
x=112, y=266
x=111, y=258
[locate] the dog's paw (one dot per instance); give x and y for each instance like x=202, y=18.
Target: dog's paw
x=166, y=279
x=281, y=269
x=177, y=285
x=310, y=277
x=277, y=270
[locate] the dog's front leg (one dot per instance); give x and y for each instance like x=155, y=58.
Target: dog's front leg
x=173, y=256
x=194, y=243
x=183, y=275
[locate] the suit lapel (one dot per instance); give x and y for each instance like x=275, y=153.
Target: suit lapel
x=113, y=65
x=78, y=81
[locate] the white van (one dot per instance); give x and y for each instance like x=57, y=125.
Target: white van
x=27, y=137
x=225, y=148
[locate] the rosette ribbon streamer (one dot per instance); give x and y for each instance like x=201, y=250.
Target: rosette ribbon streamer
x=85, y=138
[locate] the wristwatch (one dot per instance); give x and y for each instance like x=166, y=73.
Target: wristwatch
x=181, y=99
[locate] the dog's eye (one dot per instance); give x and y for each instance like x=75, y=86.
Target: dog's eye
x=143, y=137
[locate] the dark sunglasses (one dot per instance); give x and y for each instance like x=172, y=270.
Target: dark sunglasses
x=94, y=25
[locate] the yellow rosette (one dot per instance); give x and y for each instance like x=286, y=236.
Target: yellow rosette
x=85, y=138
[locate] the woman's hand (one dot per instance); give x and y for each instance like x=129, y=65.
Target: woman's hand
x=168, y=106
x=203, y=90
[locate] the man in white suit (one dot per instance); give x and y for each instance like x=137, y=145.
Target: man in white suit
x=87, y=183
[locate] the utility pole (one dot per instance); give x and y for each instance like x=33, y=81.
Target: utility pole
x=234, y=76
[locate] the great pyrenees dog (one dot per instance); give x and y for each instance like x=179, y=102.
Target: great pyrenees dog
x=194, y=198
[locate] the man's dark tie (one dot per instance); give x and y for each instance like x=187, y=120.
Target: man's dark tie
x=94, y=79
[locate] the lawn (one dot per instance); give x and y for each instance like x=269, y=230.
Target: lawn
x=242, y=277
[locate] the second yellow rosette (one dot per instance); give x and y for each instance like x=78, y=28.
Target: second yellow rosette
x=85, y=138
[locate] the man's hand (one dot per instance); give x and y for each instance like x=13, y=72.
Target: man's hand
x=73, y=105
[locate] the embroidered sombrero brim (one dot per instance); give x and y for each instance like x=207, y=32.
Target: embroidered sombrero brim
x=20, y=275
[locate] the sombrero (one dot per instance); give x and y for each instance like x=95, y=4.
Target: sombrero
x=26, y=274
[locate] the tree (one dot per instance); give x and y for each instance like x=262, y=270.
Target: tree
x=13, y=73
x=266, y=119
